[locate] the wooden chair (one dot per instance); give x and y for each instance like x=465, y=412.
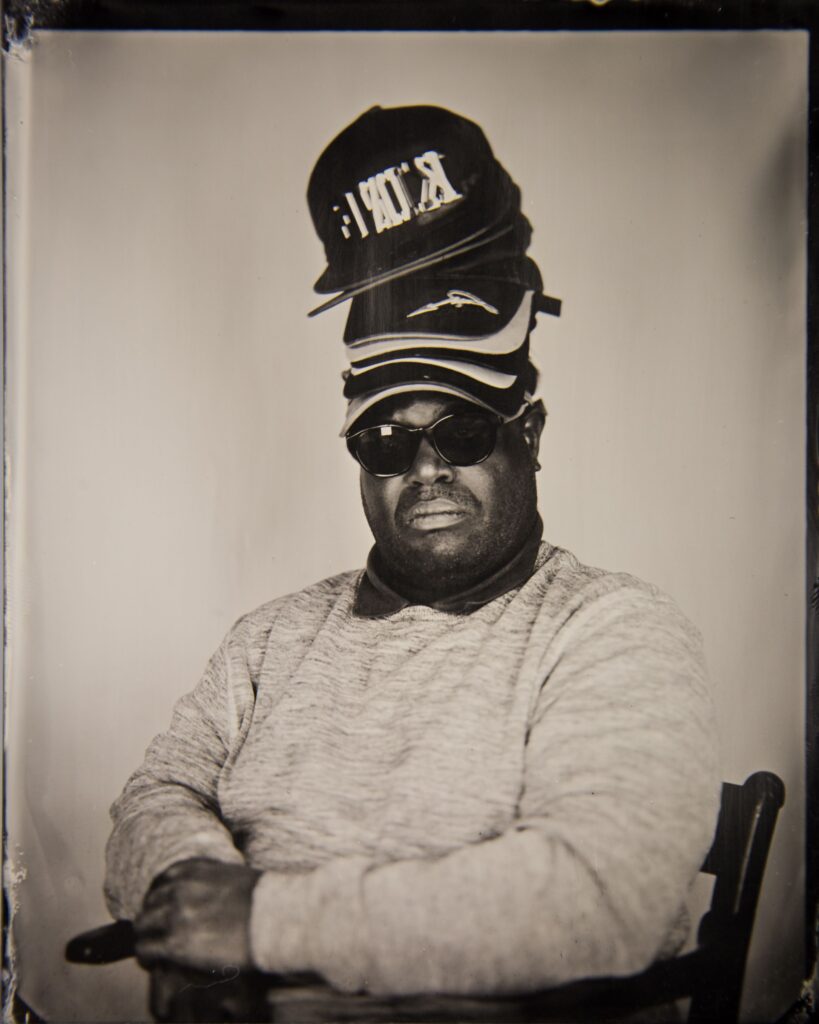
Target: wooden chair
x=711, y=975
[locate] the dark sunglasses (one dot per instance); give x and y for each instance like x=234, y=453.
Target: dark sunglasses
x=459, y=438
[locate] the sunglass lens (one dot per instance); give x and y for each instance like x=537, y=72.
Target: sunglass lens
x=465, y=438
x=385, y=451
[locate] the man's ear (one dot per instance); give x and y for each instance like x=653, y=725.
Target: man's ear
x=532, y=427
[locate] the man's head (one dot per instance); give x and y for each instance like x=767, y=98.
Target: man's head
x=440, y=528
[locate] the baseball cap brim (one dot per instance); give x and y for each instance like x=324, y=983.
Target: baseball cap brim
x=374, y=280
x=365, y=403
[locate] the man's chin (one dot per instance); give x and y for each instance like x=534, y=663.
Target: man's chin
x=436, y=563
x=445, y=546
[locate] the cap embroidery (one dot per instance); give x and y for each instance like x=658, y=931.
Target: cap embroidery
x=397, y=195
x=457, y=298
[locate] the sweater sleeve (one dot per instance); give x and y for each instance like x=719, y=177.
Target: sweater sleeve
x=168, y=810
x=616, y=814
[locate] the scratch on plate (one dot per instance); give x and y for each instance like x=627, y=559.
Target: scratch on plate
x=231, y=974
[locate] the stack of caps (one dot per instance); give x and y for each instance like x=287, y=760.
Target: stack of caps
x=422, y=230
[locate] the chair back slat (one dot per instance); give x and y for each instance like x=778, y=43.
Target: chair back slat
x=737, y=859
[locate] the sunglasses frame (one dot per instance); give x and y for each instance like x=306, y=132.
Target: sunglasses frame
x=495, y=419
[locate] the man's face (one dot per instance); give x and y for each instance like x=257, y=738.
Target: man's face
x=440, y=528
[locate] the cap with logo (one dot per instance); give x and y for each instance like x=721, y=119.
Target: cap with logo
x=402, y=189
x=422, y=230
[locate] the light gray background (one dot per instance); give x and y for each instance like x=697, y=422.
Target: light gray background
x=172, y=449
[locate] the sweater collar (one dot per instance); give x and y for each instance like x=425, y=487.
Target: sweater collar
x=375, y=598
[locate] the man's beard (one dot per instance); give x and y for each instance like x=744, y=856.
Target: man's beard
x=453, y=560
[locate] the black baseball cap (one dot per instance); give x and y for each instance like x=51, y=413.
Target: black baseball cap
x=406, y=188
x=459, y=303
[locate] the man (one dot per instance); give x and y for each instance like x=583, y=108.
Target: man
x=478, y=766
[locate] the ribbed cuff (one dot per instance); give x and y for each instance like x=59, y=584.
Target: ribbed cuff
x=279, y=923
x=312, y=922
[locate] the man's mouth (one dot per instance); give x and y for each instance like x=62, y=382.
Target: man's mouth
x=434, y=514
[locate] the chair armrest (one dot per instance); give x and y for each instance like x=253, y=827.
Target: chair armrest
x=586, y=1000
x=103, y=945
x=303, y=997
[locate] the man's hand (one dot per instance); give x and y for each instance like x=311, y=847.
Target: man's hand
x=197, y=914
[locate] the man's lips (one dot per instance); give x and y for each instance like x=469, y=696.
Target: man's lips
x=435, y=507
x=434, y=514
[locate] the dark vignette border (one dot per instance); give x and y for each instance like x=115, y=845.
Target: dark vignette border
x=295, y=15
x=19, y=17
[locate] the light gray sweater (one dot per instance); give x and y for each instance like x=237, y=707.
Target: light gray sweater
x=490, y=802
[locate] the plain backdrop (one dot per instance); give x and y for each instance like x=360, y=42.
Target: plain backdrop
x=172, y=449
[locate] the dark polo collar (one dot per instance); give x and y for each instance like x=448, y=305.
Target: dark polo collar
x=375, y=598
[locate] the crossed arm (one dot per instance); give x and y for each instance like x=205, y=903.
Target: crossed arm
x=616, y=812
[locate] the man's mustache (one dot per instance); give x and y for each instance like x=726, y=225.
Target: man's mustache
x=455, y=493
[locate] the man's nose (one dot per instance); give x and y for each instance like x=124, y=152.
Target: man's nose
x=429, y=467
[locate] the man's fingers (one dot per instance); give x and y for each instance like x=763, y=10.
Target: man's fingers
x=150, y=950
x=151, y=927
x=176, y=895
x=157, y=918
x=179, y=892
x=173, y=910
x=159, y=938
x=193, y=867
x=158, y=897
x=177, y=870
